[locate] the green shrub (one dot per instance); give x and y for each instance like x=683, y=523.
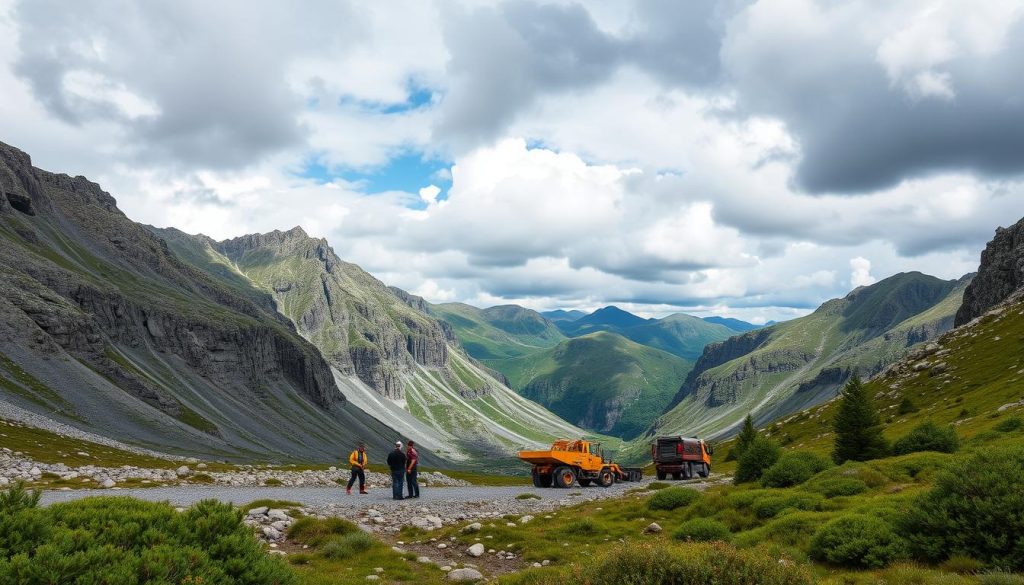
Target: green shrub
x=702, y=530
x=346, y=546
x=1009, y=425
x=793, y=529
x=273, y=481
x=907, y=406
x=528, y=496
x=672, y=498
x=834, y=487
x=582, y=527
x=975, y=509
x=856, y=540
x=927, y=436
x=123, y=540
x=759, y=456
x=794, y=467
x=771, y=506
x=962, y=564
x=679, y=564
x=315, y=531
x=919, y=467
x=911, y=574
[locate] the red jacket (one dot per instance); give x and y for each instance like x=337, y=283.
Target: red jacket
x=412, y=457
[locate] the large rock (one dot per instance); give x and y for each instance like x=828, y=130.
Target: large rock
x=1000, y=274
x=475, y=550
x=465, y=575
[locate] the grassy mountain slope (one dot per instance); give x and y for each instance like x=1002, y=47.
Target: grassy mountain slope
x=679, y=334
x=389, y=355
x=601, y=381
x=970, y=377
x=778, y=370
x=497, y=334
x=104, y=328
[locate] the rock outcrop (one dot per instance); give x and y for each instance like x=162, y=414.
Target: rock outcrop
x=1000, y=274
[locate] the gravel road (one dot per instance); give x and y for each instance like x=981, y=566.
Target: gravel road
x=321, y=496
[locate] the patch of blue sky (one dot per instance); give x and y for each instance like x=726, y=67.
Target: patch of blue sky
x=407, y=171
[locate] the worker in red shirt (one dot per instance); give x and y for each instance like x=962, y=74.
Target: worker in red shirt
x=412, y=469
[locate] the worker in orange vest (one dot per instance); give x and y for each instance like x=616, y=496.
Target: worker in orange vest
x=358, y=462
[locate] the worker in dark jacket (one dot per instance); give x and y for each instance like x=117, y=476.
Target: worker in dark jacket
x=412, y=464
x=396, y=462
x=357, y=460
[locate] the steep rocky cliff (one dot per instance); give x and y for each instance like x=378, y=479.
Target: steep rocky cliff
x=391, y=358
x=1000, y=274
x=103, y=327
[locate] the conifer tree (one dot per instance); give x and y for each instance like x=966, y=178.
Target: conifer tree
x=858, y=426
x=743, y=440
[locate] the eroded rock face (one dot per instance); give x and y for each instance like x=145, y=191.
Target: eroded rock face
x=1000, y=274
x=98, y=306
x=363, y=327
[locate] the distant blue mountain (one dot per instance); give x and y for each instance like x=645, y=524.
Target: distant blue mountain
x=562, y=315
x=734, y=324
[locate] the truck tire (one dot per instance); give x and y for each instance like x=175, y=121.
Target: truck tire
x=546, y=480
x=662, y=475
x=704, y=470
x=584, y=482
x=564, y=477
x=605, y=478
x=536, y=480
x=689, y=471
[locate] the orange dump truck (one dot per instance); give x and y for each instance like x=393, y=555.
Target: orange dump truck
x=570, y=461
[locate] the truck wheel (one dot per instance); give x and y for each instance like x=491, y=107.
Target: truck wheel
x=584, y=482
x=565, y=477
x=545, y=480
x=605, y=479
x=704, y=470
x=536, y=480
x=689, y=471
x=662, y=475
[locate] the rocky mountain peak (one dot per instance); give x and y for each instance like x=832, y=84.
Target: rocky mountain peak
x=1000, y=274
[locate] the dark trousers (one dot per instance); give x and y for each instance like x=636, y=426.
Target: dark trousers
x=414, y=486
x=397, y=476
x=357, y=472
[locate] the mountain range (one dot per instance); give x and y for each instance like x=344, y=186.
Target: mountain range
x=265, y=346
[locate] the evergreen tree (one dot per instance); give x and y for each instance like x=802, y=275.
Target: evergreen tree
x=857, y=425
x=743, y=440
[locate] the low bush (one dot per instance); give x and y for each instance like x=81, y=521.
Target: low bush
x=912, y=574
x=346, y=546
x=962, y=564
x=702, y=530
x=928, y=436
x=919, y=467
x=582, y=527
x=856, y=540
x=124, y=540
x=907, y=405
x=759, y=456
x=834, y=487
x=794, y=529
x=793, y=468
x=689, y=563
x=1009, y=425
x=528, y=496
x=273, y=481
x=773, y=505
x=975, y=509
x=672, y=498
x=316, y=531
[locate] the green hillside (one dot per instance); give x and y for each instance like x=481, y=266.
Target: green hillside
x=971, y=377
x=497, y=334
x=679, y=334
x=781, y=369
x=602, y=382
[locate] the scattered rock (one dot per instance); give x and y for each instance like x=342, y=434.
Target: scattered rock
x=471, y=528
x=653, y=528
x=465, y=575
x=476, y=550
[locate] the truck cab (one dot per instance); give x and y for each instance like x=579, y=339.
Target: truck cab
x=681, y=457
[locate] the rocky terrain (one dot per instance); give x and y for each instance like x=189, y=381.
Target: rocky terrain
x=1000, y=274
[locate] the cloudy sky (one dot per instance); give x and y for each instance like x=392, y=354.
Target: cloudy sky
x=749, y=159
